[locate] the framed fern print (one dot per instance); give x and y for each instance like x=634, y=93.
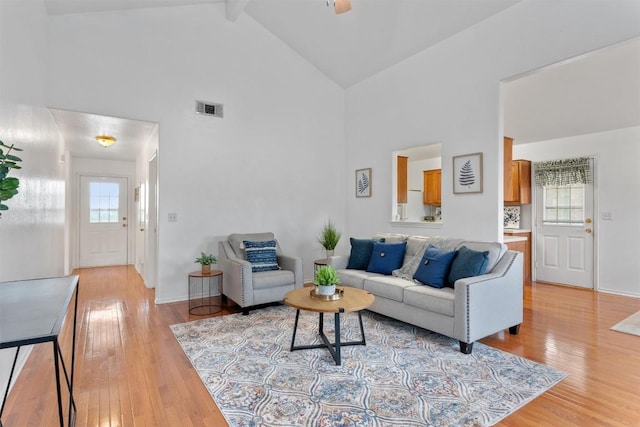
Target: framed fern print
x=467, y=173
x=363, y=182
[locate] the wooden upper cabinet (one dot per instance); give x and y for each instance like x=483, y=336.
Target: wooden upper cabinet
x=402, y=180
x=508, y=156
x=432, y=194
x=520, y=183
x=517, y=177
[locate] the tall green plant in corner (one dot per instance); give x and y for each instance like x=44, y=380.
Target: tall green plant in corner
x=329, y=237
x=8, y=185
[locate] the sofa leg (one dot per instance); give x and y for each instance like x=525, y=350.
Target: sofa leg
x=513, y=330
x=466, y=347
x=245, y=311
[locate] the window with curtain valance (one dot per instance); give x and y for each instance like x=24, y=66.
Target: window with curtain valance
x=563, y=172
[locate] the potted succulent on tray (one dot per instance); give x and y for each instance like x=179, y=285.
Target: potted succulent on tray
x=329, y=237
x=205, y=261
x=326, y=280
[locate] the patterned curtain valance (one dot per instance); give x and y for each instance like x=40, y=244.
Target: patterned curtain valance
x=563, y=172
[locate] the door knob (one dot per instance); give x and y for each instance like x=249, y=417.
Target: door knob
x=124, y=225
x=588, y=220
x=588, y=230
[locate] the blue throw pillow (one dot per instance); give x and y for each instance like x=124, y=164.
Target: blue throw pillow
x=468, y=263
x=261, y=255
x=386, y=257
x=360, y=253
x=434, y=267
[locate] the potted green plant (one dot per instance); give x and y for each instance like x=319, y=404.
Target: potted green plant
x=326, y=280
x=8, y=185
x=205, y=262
x=329, y=237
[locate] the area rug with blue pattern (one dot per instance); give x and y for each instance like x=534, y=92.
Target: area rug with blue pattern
x=404, y=376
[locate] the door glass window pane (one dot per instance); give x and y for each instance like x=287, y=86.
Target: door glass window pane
x=104, y=201
x=564, y=204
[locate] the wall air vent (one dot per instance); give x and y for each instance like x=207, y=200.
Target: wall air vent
x=209, y=109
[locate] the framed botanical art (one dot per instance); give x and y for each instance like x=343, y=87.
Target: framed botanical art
x=363, y=182
x=467, y=173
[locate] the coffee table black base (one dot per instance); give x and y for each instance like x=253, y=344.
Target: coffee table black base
x=334, y=348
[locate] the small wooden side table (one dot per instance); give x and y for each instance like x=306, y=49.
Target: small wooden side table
x=319, y=263
x=205, y=293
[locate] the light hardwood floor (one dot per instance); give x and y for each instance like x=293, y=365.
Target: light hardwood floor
x=131, y=371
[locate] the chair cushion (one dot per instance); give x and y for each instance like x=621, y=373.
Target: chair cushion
x=360, y=253
x=386, y=257
x=261, y=255
x=272, y=279
x=434, y=267
x=468, y=263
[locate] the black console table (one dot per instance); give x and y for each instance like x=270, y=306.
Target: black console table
x=32, y=312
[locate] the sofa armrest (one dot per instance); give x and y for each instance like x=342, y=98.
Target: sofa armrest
x=489, y=303
x=237, y=281
x=339, y=262
x=293, y=264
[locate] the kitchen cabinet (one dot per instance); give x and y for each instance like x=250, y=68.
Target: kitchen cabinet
x=432, y=191
x=523, y=246
x=508, y=157
x=520, y=193
x=402, y=179
x=517, y=177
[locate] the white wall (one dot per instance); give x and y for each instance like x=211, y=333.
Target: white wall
x=451, y=93
x=32, y=231
x=616, y=154
x=275, y=162
x=34, y=226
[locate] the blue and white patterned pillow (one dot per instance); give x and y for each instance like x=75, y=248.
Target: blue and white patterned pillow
x=261, y=255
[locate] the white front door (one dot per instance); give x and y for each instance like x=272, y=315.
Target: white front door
x=564, y=235
x=103, y=221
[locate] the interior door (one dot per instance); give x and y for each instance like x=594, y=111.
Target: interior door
x=564, y=235
x=103, y=221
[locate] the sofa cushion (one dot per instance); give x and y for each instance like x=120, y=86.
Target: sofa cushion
x=437, y=300
x=261, y=255
x=353, y=278
x=468, y=263
x=416, y=245
x=387, y=287
x=390, y=237
x=496, y=251
x=386, y=257
x=434, y=267
x=360, y=253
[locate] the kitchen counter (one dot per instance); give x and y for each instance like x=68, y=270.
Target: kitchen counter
x=516, y=230
x=511, y=239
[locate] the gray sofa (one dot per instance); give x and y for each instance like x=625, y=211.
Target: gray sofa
x=473, y=309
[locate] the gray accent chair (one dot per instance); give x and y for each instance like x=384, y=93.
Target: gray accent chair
x=249, y=289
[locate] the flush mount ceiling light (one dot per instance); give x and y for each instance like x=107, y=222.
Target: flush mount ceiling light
x=341, y=6
x=105, y=140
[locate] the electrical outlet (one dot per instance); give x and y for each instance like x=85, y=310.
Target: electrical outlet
x=173, y=217
x=607, y=216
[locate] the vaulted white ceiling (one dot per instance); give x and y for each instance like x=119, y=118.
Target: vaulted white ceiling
x=377, y=34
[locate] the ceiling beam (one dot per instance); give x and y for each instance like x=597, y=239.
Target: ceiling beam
x=235, y=8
